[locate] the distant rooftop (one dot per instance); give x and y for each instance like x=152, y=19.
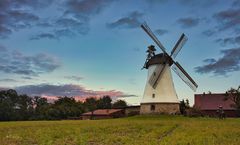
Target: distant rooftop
x=212, y=101
x=102, y=112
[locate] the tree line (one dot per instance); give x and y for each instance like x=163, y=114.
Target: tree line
x=14, y=106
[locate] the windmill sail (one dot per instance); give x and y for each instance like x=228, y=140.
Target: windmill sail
x=182, y=40
x=156, y=75
x=177, y=68
x=154, y=38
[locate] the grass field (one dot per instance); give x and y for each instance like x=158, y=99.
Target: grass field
x=139, y=130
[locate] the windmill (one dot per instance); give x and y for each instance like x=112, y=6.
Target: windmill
x=159, y=94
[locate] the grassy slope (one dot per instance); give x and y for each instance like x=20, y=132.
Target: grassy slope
x=134, y=130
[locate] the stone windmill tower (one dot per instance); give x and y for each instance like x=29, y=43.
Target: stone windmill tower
x=159, y=94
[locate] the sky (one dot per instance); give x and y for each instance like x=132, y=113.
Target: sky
x=88, y=48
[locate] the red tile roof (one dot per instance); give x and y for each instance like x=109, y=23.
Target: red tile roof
x=212, y=102
x=102, y=112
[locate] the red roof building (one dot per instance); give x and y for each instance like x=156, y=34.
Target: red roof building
x=210, y=103
x=104, y=114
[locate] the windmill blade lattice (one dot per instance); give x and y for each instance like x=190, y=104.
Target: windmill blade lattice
x=177, y=68
x=182, y=40
x=154, y=38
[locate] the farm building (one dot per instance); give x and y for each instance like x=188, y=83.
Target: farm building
x=210, y=103
x=103, y=114
x=132, y=110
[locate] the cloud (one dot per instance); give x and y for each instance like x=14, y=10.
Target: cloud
x=18, y=63
x=87, y=7
x=27, y=78
x=63, y=90
x=229, y=40
x=8, y=80
x=161, y=32
x=74, y=78
x=133, y=20
x=75, y=17
x=14, y=19
x=126, y=96
x=36, y=4
x=44, y=35
x=68, y=25
x=188, y=22
x=208, y=32
x=228, y=19
x=229, y=62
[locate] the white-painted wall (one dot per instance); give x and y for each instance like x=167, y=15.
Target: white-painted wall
x=164, y=92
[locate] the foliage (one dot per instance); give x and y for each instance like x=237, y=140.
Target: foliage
x=194, y=112
x=23, y=107
x=104, y=103
x=183, y=105
x=234, y=95
x=14, y=106
x=119, y=104
x=137, y=130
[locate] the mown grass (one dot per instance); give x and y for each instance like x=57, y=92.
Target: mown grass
x=139, y=130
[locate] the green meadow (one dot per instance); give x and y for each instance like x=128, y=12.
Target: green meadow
x=138, y=130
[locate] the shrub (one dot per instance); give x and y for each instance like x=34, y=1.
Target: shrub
x=194, y=112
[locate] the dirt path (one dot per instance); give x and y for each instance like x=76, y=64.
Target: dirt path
x=168, y=132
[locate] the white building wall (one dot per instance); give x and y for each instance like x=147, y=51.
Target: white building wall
x=164, y=92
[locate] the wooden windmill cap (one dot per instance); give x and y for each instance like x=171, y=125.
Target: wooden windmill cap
x=160, y=58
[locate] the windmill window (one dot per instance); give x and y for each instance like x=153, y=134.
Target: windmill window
x=153, y=95
x=152, y=107
x=154, y=73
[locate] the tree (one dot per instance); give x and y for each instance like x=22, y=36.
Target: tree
x=66, y=107
x=14, y=106
x=119, y=104
x=41, y=108
x=183, y=106
x=104, y=103
x=91, y=105
x=234, y=95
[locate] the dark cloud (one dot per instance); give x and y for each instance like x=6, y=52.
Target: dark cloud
x=67, y=24
x=74, y=19
x=8, y=80
x=209, y=33
x=126, y=96
x=27, y=78
x=13, y=20
x=68, y=32
x=161, y=32
x=229, y=40
x=87, y=7
x=4, y=32
x=229, y=62
x=36, y=4
x=133, y=20
x=63, y=90
x=74, y=78
x=228, y=19
x=44, y=35
x=18, y=63
x=188, y=22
